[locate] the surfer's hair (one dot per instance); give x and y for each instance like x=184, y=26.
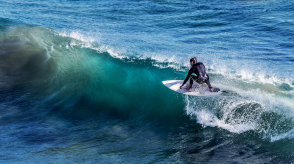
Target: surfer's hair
x=193, y=60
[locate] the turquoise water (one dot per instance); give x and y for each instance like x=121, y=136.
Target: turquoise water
x=81, y=81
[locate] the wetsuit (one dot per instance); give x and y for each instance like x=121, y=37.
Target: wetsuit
x=201, y=76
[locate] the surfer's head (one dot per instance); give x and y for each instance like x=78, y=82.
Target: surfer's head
x=193, y=61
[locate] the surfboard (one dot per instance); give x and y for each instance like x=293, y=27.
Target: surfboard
x=197, y=89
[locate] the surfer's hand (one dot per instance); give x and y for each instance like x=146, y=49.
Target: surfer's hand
x=181, y=86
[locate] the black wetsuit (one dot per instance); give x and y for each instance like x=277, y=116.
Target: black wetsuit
x=201, y=76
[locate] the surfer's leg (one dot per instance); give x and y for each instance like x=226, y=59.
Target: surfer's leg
x=208, y=83
x=191, y=82
x=211, y=89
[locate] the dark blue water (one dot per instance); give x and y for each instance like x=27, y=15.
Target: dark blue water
x=81, y=81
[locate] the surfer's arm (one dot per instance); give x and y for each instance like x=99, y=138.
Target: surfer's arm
x=187, y=78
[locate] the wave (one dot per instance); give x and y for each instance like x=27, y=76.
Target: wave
x=76, y=74
x=180, y=63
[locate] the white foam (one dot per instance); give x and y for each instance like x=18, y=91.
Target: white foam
x=78, y=36
x=249, y=118
x=250, y=77
x=287, y=135
x=206, y=118
x=204, y=115
x=270, y=101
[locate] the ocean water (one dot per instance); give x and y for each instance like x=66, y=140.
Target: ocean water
x=81, y=81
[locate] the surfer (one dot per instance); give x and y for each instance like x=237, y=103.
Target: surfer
x=201, y=76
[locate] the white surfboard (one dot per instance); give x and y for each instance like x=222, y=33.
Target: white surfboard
x=197, y=89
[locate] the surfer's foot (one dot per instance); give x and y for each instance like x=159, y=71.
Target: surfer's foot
x=211, y=89
x=214, y=89
x=190, y=90
x=203, y=84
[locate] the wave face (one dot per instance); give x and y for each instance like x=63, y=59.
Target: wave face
x=85, y=85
